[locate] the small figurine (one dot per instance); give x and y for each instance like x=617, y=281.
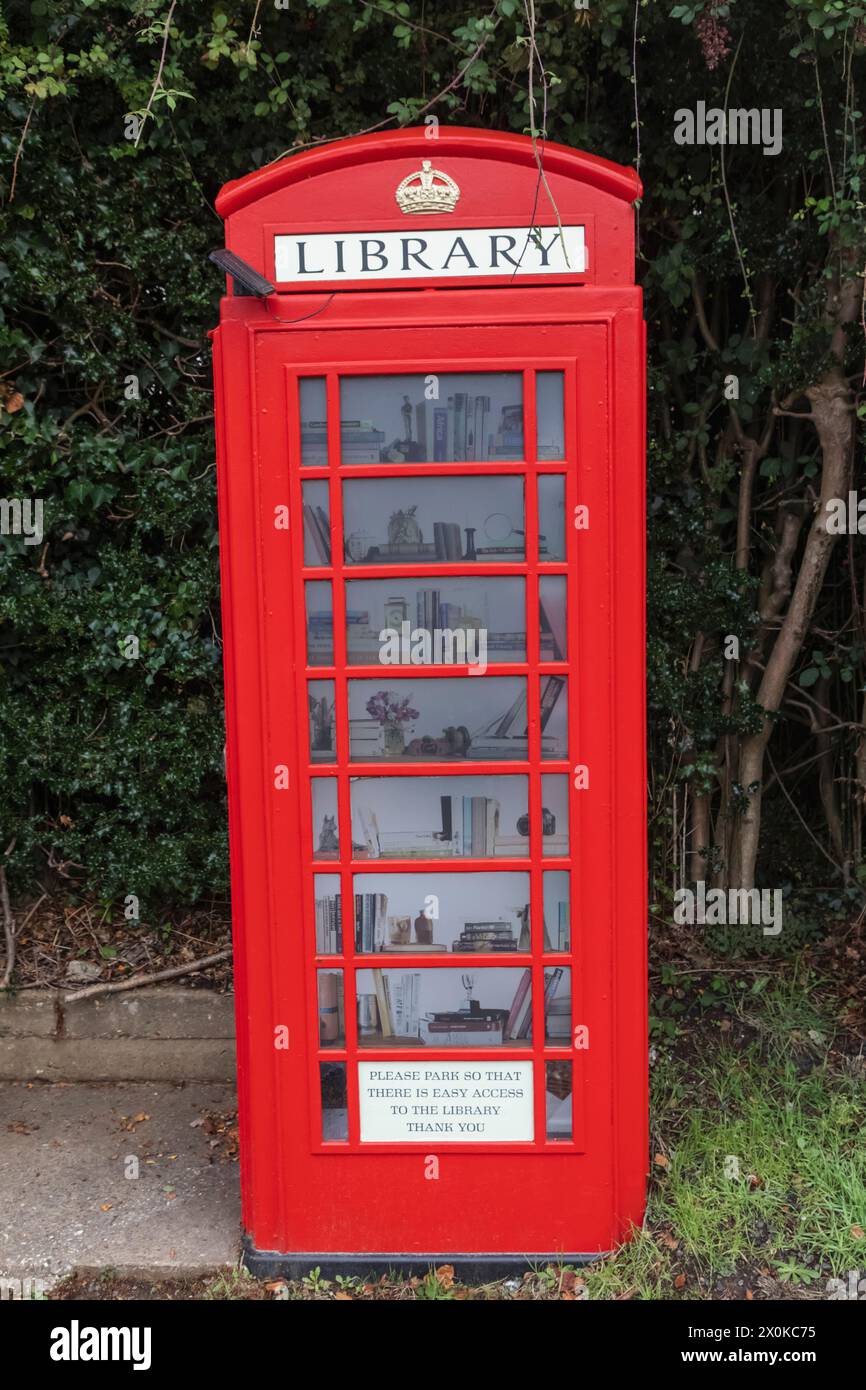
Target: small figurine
x=403, y=529
x=329, y=844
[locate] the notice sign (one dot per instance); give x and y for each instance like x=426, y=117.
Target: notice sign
x=454, y=1102
x=307, y=257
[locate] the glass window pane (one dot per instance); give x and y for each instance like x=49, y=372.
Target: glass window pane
x=438, y=720
x=553, y=705
x=552, y=616
x=435, y=913
x=445, y=418
x=554, y=796
x=317, y=523
x=326, y=842
x=320, y=702
x=551, y=516
x=320, y=622
x=438, y=817
x=329, y=917
x=557, y=921
x=314, y=421
x=332, y=1027
x=444, y=1008
x=550, y=414
x=411, y=622
x=557, y=1005
x=558, y=1099
x=335, y=1113
x=401, y=520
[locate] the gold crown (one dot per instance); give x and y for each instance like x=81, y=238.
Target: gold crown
x=427, y=190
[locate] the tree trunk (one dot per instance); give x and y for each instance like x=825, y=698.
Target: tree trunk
x=832, y=415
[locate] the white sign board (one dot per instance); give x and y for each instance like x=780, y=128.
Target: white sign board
x=452, y=1102
x=451, y=253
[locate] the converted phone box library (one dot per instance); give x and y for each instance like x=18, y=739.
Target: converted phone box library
x=429, y=376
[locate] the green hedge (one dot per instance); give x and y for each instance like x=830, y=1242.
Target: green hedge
x=111, y=768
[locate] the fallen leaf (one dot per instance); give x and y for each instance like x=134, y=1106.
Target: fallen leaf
x=445, y=1275
x=14, y=402
x=857, y=1232
x=343, y=1297
x=106, y=1206
x=680, y=1281
x=661, y=1161
x=668, y=1241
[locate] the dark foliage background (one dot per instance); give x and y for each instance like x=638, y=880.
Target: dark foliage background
x=111, y=776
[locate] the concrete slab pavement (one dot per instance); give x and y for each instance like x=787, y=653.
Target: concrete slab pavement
x=69, y=1197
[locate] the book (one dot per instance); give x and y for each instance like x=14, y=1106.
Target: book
x=518, y=1005
x=385, y=1025
x=318, y=530
x=329, y=927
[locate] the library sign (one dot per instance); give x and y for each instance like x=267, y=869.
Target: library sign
x=486, y=251
x=431, y=511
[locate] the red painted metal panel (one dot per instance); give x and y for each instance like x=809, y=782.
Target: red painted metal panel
x=302, y=1194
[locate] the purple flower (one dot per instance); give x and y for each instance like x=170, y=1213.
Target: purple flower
x=387, y=708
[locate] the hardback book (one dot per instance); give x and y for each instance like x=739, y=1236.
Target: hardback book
x=520, y=1013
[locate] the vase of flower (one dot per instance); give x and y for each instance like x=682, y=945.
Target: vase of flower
x=393, y=713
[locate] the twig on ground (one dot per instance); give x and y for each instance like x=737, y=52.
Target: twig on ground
x=170, y=974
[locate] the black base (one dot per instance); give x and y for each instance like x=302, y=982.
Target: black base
x=471, y=1269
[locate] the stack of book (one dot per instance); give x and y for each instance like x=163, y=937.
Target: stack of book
x=371, y=919
x=398, y=998
x=359, y=442
x=558, y=1019
x=320, y=635
x=329, y=925
x=475, y=1027
x=432, y=611
x=486, y=936
x=458, y=429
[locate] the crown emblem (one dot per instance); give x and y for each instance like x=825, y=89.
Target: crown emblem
x=427, y=190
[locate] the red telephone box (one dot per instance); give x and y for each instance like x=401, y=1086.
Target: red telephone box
x=430, y=434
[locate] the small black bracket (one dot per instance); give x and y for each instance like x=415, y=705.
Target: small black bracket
x=245, y=280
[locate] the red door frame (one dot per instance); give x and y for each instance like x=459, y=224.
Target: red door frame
x=288, y=1176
